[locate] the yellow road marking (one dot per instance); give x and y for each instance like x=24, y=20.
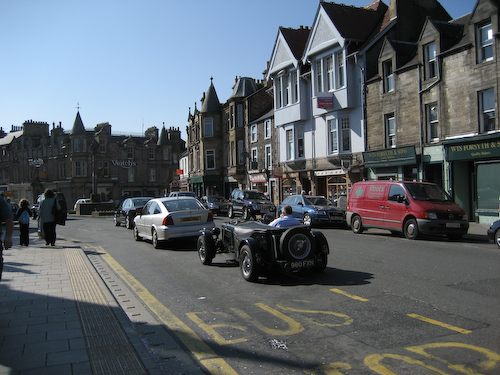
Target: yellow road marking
x=206, y=356
x=349, y=295
x=438, y=323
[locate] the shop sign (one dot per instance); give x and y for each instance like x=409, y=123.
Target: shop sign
x=473, y=150
x=325, y=100
x=278, y=172
x=184, y=183
x=390, y=157
x=124, y=163
x=333, y=172
x=179, y=172
x=257, y=177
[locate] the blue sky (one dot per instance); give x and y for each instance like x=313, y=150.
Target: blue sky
x=137, y=63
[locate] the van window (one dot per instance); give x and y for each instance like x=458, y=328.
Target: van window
x=395, y=192
x=427, y=192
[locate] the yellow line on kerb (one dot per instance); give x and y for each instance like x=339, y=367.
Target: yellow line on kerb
x=207, y=357
x=349, y=295
x=438, y=323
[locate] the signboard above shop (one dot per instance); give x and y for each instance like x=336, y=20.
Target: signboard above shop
x=479, y=149
x=390, y=157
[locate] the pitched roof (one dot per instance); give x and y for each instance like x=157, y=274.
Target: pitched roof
x=78, y=127
x=296, y=39
x=210, y=101
x=162, y=139
x=244, y=87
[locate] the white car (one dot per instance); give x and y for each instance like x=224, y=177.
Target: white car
x=80, y=201
x=167, y=218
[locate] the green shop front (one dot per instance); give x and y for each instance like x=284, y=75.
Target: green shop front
x=475, y=167
x=391, y=164
x=206, y=185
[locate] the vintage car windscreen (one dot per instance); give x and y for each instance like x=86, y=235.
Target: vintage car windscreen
x=424, y=192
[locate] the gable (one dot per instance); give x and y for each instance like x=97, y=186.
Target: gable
x=282, y=56
x=323, y=34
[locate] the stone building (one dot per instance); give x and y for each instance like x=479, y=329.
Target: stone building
x=82, y=163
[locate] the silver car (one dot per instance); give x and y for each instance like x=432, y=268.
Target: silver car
x=167, y=218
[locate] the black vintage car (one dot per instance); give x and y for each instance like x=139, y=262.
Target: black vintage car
x=258, y=247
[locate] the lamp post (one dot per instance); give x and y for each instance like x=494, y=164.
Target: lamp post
x=94, y=147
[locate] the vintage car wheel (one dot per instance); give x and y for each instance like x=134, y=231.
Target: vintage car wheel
x=411, y=229
x=306, y=220
x=357, y=224
x=154, y=239
x=230, y=212
x=296, y=244
x=206, y=249
x=136, y=234
x=117, y=223
x=248, y=265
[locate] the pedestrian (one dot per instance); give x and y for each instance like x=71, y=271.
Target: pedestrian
x=47, y=216
x=23, y=215
x=7, y=217
x=286, y=219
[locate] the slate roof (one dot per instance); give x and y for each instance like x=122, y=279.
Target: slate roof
x=244, y=87
x=162, y=139
x=78, y=127
x=211, y=101
x=296, y=39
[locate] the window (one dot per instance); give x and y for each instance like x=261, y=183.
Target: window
x=290, y=151
x=253, y=159
x=102, y=146
x=346, y=134
x=210, y=159
x=131, y=174
x=103, y=169
x=80, y=169
x=232, y=118
x=232, y=160
x=332, y=137
x=433, y=121
x=130, y=152
x=166, y=154
x=151, y=153
x=241, y=155
x=295, y=87
x=487, y=110
x=152, y=174
x=329, y=73
x=484, y=42
x=208, y=127
x=339, y=76
x=269, y=157
x=79, y=144
x=253, y=133
x=267, y=129
x=388, y=76
x=61, y=170
x=319, y=76
x=286, y=90
x=390, y=126
x=279, y=102
x=300, y=143
x=240, y=115
x=430, y=62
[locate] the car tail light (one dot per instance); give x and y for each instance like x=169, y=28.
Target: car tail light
x=210, y=217
x=168, y=220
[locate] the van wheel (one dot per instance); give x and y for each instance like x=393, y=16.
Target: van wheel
x=411, y=229
x=357, y=225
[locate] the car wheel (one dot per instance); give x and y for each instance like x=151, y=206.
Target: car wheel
x=206, y=249
x=246, y=214
x=249, y=268
x=411, y=229
x=136, y=234
x=230, y=213
x=357, y=224
x=154, y=239
x=117, y=223
x=296, y=244
x=306, y=220
x=128, y=222
x=497, y=237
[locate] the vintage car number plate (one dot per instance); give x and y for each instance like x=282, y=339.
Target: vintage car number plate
x=193, y=218
x=452, y=225
x=301, y=264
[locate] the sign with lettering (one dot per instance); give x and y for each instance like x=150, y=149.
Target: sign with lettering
x=325, y=100
x=390, y=156
x=124, y=163
x=473, y=150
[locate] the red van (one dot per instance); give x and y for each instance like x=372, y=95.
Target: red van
x=410, y=207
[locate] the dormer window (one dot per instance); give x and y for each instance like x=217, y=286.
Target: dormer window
x=484, y=42
x=388, y=75
x=430, y=61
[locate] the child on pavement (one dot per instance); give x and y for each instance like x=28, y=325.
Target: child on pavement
x=23, y=215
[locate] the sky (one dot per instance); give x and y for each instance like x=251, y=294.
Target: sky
x=137, y=63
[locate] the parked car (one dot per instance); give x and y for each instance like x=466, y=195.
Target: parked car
x=257, y=247
x=127, y=211
x=80, y=201
x=163, y=219
x=494, y=232
x=413, y=208
x=215, y=203
x=314, y=210
x=249, y=204
x=183, y=194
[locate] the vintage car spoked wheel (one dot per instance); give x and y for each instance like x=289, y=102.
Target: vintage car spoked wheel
x=248, y=265
x=136, y=234
x=307, y=219
x=411, y=229
x=296, y=244
x=206, y=249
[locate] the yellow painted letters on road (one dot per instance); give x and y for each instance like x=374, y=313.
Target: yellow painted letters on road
x=345, y=319
x=210, y=328
x=373, y=362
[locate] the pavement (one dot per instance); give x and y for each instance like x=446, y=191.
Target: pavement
x=60, y=316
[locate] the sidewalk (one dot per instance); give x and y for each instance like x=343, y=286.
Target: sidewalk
x=57, y=317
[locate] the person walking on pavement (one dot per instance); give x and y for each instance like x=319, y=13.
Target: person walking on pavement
x=47, y=216
x=286, y=219
x=7, y=217
x=23, y=215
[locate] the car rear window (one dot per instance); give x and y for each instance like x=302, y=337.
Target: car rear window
x=182, y=205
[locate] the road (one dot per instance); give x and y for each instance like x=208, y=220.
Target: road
x=384, y=305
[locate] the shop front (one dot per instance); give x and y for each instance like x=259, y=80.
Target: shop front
x=475, y=171
x=206, y=185
x=331, y=183
x=392, y=164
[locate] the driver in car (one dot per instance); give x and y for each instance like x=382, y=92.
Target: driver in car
x=286, y=219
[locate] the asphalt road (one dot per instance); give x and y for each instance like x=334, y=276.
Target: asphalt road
x=384, y=305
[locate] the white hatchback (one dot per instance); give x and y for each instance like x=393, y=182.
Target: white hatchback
x=167, y=218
